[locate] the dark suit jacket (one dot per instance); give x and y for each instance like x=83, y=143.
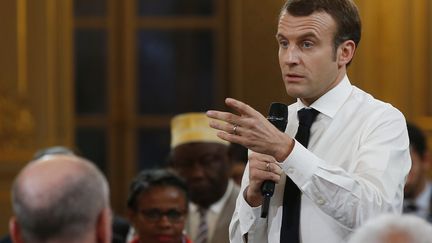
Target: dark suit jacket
x=6, y=239
x=221, y=231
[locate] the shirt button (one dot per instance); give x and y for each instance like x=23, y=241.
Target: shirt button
x=320, y=201
x=290, y=170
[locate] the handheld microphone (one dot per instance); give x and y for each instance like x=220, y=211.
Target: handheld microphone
x=278, y=116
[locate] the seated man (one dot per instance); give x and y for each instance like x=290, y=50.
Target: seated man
x=201, y=158
x=394, y=228
x=60, y=198
x=418, y=188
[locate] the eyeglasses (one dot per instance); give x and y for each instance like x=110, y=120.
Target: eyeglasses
x=155, y=215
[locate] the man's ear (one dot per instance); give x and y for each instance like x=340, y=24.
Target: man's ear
x=15, y=231
x=104, y=226
x=346, y=52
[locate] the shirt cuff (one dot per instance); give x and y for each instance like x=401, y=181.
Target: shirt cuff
x=300, y=165
x=248, y=216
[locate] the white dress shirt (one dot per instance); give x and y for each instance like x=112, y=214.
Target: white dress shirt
x=354, y=169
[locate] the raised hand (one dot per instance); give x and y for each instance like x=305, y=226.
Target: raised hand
x=251, y=129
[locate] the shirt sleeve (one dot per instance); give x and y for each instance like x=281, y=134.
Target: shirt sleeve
x=246, y=224
x=371, y=185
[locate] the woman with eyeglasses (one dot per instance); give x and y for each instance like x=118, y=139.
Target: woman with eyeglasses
x=157, y=207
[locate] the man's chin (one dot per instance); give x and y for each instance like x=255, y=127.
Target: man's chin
x=198, y=190
x=295, y=92
x=200, y=185
x=201, y=202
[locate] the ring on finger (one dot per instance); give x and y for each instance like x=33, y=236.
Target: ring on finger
x=268, y=166
x=235, y=129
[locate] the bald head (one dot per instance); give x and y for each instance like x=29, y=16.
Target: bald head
x=392, y=228
x=59, y=197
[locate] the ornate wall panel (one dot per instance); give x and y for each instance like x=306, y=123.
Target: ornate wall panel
x=34, y=78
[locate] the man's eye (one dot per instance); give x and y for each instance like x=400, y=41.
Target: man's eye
x=307, y=44
x=209, y=158
x=283, y=43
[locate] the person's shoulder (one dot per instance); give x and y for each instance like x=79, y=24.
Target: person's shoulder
x=371, y=105
x=232, y=197
x=235, y=191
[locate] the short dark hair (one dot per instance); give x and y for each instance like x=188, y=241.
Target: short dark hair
x=148, y=179
x=344, y=12
x=417, y=139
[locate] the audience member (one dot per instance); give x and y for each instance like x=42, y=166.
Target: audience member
x=120, y=227
x=60, y=198
x=394, y=228
x=418, y=188
x=238, y=155
x=54, y=150
x=39, y=154
x=158, y=206
x=201, y=158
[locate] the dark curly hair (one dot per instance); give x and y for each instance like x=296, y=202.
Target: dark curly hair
x=148, y=179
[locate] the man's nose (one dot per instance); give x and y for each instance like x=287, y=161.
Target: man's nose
x=292, y=56
x=198, y=168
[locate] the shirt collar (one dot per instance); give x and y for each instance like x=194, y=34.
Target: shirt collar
x=219, y=205
x=332, y=101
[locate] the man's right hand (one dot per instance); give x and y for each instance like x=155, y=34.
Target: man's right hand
x=251, y=129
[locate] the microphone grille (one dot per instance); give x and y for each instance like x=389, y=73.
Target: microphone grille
x=278, y=110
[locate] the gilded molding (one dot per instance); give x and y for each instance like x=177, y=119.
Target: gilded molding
x=22, y=46
x=17, y=125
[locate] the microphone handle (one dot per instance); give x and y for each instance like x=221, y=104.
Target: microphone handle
x=278, y=117
x=265, y=206
x=267, y=190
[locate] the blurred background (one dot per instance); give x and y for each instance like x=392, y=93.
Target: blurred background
x=106, y=76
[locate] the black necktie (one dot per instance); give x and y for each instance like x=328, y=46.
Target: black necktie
x=291, y=200
x=409, y=206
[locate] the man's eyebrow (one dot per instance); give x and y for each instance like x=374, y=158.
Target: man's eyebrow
x=303, y=36
x=279, y=36
x=308, y=35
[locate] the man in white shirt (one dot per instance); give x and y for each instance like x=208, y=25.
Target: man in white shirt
x=357, y=159
x=418, y=188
